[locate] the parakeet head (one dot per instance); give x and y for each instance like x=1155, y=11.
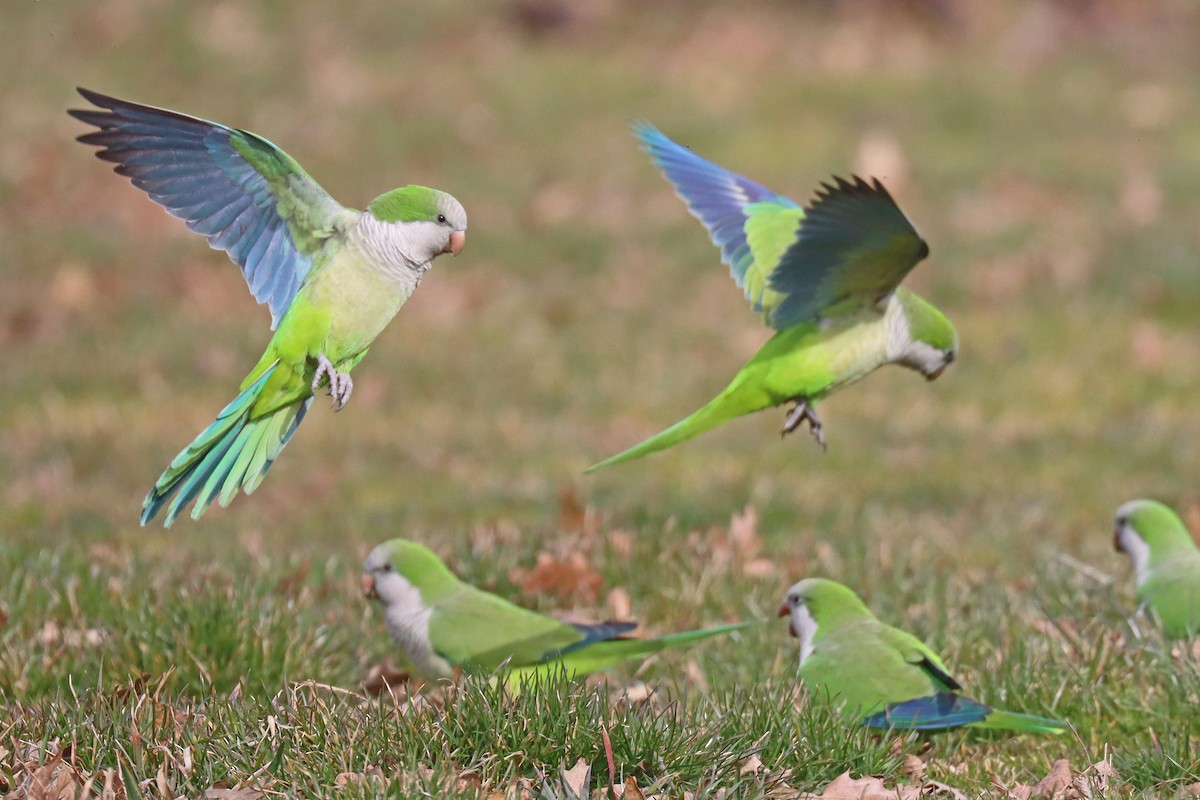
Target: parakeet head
x=432, y=222
x=927, y=341
x=816, y=604
x=1146, y=530
x=403, y=572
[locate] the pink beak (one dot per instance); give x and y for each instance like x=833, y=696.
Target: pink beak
x=368, y=587
x=458, y=240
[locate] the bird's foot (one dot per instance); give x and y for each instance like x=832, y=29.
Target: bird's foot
x=800, y=413
x=340, y=383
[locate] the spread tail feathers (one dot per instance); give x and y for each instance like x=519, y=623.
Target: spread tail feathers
x=232, y=453
x=718, y=410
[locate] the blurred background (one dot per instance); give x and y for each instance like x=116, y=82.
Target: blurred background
x=1048, y=151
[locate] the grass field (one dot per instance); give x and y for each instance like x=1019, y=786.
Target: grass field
x=1047, y=151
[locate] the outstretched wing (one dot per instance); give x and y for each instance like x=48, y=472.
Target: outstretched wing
x=248, y=197
x=751, y=224
x=854, y=244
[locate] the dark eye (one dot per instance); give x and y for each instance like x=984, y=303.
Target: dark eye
x=949, y=356
x=441, y=219
x=387, y=567
x=1122, y=521
x=793, y=599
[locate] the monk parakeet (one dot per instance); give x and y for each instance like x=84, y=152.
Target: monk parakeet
x=825, y=277
x=1166, y=564
x=880, y=674
x=444, y=625
x=332, y=277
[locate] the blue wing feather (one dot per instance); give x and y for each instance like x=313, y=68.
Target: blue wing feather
x=592, y=633
x=191, y=168
x=716, y=196
x=935, y=712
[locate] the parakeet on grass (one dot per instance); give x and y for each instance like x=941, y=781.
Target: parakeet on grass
x=444, y=625
x=825, y=277
x=1166, y=564
x=879, y=674
x=332, y=277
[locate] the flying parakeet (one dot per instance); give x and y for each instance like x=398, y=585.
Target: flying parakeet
x=332, y=277
x=825, y=277
x=1166, y=564
x=880, y=674
x=444, y=625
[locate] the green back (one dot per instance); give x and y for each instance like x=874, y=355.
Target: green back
x=479, y=631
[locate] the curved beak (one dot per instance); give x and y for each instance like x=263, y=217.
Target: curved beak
x=458, y=240
x=937, y=373
x=784, y=611
x=368, y=586
x=1120, y=548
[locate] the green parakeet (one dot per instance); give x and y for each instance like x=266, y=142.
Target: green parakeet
x=444, y=625
x=825, y=277
x=332, y=277
x=1166, y=564
x=879, y=674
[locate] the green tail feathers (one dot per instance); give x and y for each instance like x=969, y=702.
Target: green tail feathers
x=1013, y=721
x=705, y=419
x=599, y=655
x=231, y=454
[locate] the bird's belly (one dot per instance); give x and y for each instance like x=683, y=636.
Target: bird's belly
x=822, y=361
x=361, y=302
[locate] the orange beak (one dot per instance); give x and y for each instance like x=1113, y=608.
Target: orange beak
x=784, y=611
x=458, y=240
x=937, y=373
x=1117, y=540
x=368, y=587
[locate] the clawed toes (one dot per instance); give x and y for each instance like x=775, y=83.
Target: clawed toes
x=340, y=385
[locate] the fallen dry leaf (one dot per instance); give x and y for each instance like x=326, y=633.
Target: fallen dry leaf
x=218, y=792
x=750, y=766
x=560, y=578
x=630, y=790
x=385, y=677
x=1057, y=785
x=870, y=787
x=371, y=775
x=577, y=778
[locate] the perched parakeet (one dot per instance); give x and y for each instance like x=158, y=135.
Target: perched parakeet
x=332, y=277
x=444, y=625
x=1166, y=564
x=880, y=674
x=825, y=277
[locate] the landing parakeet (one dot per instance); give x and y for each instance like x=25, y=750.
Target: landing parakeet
x=332, y=277
x=1166, y=564
x=879, y=674
x=444, y=625
x=825, y=277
